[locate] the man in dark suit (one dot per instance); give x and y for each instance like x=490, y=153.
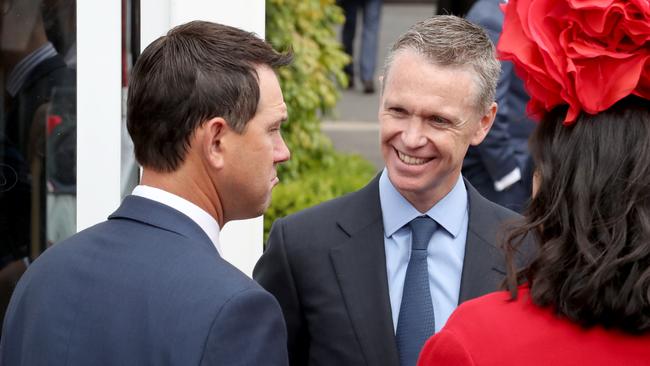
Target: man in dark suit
x=500, y=168
x=148, y=286
x=366, y=278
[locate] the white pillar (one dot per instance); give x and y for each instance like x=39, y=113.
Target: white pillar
x=241, y=240
x=99, y=110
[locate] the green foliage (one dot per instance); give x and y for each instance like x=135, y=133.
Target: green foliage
x=347, y=173
x=309, y=84
x=315, y=172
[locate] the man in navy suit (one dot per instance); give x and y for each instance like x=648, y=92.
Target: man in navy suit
x=148, y=286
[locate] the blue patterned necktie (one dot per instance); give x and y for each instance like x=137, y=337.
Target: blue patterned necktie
x=416, y=321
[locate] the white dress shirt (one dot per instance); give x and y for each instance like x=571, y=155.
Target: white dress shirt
x=194, y=212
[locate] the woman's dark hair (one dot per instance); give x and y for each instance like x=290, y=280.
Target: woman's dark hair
x=590, y=218
x=199, y=70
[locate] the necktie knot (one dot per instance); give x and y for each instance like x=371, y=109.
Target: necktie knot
x=422, y=227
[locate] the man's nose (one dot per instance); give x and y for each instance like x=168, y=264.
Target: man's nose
x=413, y=136
x=281, y=152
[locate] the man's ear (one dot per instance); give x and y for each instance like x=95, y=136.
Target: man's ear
x=211, y=136
x=484, y=125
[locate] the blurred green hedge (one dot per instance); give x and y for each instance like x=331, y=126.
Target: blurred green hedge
x=316, y=172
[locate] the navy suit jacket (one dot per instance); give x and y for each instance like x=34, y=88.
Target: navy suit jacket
x=506, y=145
x=146, y=287
x=327, y=267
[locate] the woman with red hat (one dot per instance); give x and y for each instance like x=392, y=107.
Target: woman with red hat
x=585, y=298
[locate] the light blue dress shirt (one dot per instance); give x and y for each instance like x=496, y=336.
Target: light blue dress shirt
x=445, y=252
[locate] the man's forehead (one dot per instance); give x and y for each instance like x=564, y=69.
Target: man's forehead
x=470, y=96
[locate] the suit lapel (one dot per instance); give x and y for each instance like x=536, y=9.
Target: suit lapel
x=482, y=267
x=360, y=266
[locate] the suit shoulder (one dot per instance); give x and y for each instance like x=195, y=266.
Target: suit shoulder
x=310, y=229
x=211, y=275
x=504, y=213
x=190, y=267
x=250, y=293
x=241, y=283
x=249, y=316
x=487, y=208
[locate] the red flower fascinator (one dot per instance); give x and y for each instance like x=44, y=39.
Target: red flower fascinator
x=588, y=54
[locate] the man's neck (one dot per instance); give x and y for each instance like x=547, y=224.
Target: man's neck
x=182, y=184
x=423, y=201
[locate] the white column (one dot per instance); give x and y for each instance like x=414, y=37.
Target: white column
x=241, y=240
x=99, y=108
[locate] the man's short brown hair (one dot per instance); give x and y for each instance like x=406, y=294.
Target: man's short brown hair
x=198, y=71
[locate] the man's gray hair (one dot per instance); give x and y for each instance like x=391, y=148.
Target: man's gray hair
x=447, y=40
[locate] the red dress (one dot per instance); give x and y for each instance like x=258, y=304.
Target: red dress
x=491, y=330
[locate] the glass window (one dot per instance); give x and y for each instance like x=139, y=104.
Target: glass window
x=38, y=130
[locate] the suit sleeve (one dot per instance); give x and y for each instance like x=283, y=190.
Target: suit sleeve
x=496, y=151
x=444, y=348
x=273, y=272
x=247, y=331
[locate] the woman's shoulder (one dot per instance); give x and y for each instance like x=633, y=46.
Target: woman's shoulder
x=496, y=329
x=495, y=300
x=492, y=312
x=475, y=329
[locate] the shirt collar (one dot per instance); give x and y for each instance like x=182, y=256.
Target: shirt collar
x=17, y=76
x=189, y=209
x=397, y=211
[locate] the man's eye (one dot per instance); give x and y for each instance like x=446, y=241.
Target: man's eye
x=397, y=111
x=436, y=120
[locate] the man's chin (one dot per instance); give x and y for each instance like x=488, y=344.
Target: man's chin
x=266, y=205
x=252, y=211
x=408, y=189
x=406, y=182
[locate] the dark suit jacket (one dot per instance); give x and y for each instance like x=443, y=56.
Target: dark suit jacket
x=506, y=145
x=327, y=268
x=146, y=287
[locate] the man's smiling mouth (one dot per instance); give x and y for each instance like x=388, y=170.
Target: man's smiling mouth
x=411, y=160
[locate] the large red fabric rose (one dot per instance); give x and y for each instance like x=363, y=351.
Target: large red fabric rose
x=588, y=54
